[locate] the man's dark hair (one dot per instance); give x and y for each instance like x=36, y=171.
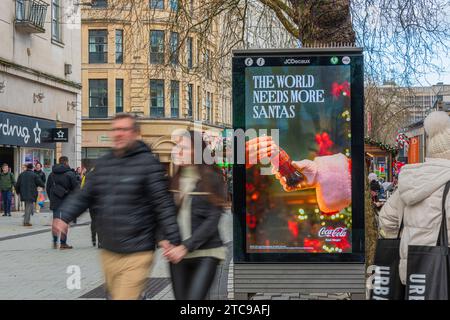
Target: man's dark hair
x=123, y=115
x=29, y=166
x=63, y=160
x=5, y=165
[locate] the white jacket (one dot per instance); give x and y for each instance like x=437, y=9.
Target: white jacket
x=419, y=200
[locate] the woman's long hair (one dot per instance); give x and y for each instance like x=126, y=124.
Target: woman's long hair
x=211, y=177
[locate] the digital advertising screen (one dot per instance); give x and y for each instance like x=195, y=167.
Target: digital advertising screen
x=300, y=192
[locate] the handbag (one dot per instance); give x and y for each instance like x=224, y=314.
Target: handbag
x=58, y=190
x=427, y=269
x=386, y=284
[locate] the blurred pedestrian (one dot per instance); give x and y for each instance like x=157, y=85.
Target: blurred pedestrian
x=7, y=183
x=128, y=192
x=26, y=187
x=91, y=211
x=200, y=194
x=61, y=182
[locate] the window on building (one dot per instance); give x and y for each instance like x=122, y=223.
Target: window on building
x=119, y=95
x=157, y=47
x=174, y=48
x=189, y=52
x=98, y=46
x=99, y=3
x=157, y=98
x=119, y=46
x=199, y=104
x=207, y=64
x=173, y=4
x=98, y=98
x=190, y=96
x=56, y=20
x=208, y=107
x=211, y=107
x=157, y=4
x=199, y=49
x=174, y=98
x=20, y=10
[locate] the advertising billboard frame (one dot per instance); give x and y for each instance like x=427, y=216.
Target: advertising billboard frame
x=310, y=56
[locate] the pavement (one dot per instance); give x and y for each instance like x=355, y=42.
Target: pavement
x=32, y=270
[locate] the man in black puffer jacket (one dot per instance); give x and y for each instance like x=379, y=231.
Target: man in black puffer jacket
x=61, y=182
x=128, y=191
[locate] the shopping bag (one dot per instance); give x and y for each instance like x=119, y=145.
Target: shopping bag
x=428, y=266
x=386, y=284
x=41, y=199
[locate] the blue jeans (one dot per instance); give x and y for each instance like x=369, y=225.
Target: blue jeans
x=7, y=199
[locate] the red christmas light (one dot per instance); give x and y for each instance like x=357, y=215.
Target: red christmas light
x=251, y=221
x=293, y=228
x=324, y=142
x=255, y=196
x=315, y=244
x=340, y=89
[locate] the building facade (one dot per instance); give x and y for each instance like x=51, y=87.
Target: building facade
x=139, y=58
x=420, y=101
x=40, y=82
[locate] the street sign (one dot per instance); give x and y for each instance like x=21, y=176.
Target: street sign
x=60, y=135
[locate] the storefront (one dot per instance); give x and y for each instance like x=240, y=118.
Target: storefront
x=22, y=141
x=380, y=158
x=416, y=152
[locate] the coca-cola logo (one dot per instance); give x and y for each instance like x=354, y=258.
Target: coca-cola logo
x=333, y=233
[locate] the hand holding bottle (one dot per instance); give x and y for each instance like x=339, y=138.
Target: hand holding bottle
x=259, y=148
x=307, y=168
x=264, y=147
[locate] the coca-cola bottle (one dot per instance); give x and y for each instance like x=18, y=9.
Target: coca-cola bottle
x=283, y=163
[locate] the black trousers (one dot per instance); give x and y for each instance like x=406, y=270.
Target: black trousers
x=192, y=278
x=93, y=229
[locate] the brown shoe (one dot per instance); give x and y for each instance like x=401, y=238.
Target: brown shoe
x=55, y=245
x=64, y=246
x=27, y=225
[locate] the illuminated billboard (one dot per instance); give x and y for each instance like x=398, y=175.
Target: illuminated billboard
x=299, y=196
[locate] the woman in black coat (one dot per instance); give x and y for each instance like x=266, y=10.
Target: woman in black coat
x=200, y=195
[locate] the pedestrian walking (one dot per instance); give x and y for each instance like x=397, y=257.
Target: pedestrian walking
x=128, y=192
x=39, y=172
x=418, y=200
x=41, y=196
x=61, y=182
x=200, y=194
x=27, y=187
x=7, y=183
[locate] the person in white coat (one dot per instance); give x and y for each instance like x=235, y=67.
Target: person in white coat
x=418, y=199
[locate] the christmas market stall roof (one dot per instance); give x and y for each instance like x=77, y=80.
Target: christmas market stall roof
x=376, y=148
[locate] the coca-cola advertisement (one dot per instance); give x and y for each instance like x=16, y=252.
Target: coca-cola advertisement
x=298, y=156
